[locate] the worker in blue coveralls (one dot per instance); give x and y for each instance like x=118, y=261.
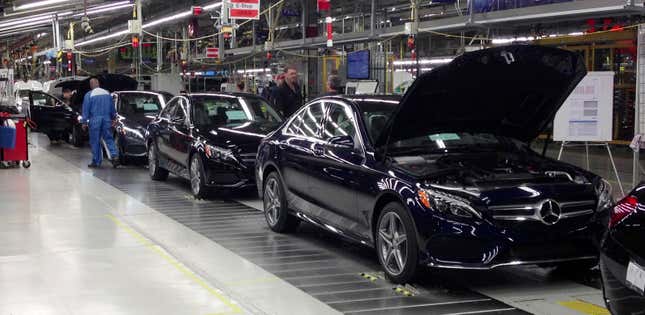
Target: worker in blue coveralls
x=99, y=113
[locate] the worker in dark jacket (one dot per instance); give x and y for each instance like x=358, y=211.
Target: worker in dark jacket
x=334, y=85
x=288, y=98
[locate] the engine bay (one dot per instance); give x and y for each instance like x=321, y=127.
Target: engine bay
x=485, y=169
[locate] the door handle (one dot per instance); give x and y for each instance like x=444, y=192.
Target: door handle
x=319, y=149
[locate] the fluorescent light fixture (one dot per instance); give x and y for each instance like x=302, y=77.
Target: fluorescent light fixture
x=102, y=38
x=149, y=24
x=254, y=70
x=576, y=34
x=22, y=21
x=422, y=61
x=37, y=4
x=107, y=8
x=45, y=19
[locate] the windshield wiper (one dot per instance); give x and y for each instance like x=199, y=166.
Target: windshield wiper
x=412, y=150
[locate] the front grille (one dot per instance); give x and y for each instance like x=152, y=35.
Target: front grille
x=531, y=212
x=135, y=149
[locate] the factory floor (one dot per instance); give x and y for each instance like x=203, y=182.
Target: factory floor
x=75, y=240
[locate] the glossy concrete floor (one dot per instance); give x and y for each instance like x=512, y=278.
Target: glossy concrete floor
x=112, y=241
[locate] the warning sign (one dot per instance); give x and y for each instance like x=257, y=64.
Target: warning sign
x=245, y=9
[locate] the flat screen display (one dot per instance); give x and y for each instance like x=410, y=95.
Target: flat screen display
x=358, y=65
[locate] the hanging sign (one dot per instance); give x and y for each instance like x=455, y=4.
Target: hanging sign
x=244, y=9
x=212, y=52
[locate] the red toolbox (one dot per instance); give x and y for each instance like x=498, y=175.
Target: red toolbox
x=20, y=152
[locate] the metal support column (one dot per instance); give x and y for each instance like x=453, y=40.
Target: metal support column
x=640, y=99
x=159, y=52
x=223, y=21
x=373, y=19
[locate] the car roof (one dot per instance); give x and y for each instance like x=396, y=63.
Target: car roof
x=225, y=94
x=365, y=102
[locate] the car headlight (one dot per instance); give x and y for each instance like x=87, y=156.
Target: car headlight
x=603, y=191
x=132, y=133
x=446, y=203
x=218, y=153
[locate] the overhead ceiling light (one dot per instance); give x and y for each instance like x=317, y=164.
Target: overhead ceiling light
x=37, y=4
x=107, y=8
x=19, y=23
x=150, y=24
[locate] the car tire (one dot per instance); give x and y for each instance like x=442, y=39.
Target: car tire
x=276, y=211
x=396, y=243
x=156, y=171
x=197, y=178
x=75, y=138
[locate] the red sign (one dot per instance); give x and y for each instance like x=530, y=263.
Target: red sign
x=212, y=52
x=244, y=9
x=324, y=5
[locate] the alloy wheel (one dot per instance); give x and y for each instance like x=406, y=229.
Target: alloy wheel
x=272, y=201
x=393, y=243
x=195, y=179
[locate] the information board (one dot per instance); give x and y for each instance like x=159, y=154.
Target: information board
x=358, y=64
x=587, y=114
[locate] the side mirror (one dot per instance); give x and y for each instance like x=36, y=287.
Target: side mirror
x=342, y=142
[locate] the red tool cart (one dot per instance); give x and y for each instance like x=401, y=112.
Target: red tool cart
x=19, y=152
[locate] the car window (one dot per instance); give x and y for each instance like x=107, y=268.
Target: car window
x=141, y=104
x=339, y=122
x=169, y=109
x=179, y=111
x=308, y=122
x=215, y=111
x=42, y=99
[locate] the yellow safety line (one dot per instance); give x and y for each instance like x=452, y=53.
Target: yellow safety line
x=585, y=307
x=235, y=309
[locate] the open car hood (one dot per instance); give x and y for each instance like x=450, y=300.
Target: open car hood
x=109, y=82
x=512, y=91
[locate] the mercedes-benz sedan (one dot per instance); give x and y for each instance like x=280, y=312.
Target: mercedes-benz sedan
x=444, y=177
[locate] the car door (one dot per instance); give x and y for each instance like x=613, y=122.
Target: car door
x=335, y=165
x=180, y=138
x=302, y=133
x=161, y=133
x=48, y=113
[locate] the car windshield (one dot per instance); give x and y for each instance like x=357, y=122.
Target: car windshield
x=441, y=142
x=229, y=111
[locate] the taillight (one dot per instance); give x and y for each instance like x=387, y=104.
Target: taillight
x=623, y=209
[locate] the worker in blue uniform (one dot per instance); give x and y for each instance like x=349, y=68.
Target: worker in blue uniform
x=99, y=113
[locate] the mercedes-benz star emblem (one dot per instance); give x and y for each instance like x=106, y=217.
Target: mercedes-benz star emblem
x=550, y=212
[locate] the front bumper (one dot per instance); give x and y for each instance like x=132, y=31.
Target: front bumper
x=221, y=174
x=483, y=244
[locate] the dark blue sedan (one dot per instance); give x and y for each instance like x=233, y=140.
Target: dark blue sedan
x=443, y=177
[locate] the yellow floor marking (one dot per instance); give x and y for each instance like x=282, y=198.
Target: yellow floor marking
x=235, y=309
x=585, y=307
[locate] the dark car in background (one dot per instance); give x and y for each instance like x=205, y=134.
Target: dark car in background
x=622, y=257
x=210, y=139
x=53, y=117
x=135, y=109
x=446, y=177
